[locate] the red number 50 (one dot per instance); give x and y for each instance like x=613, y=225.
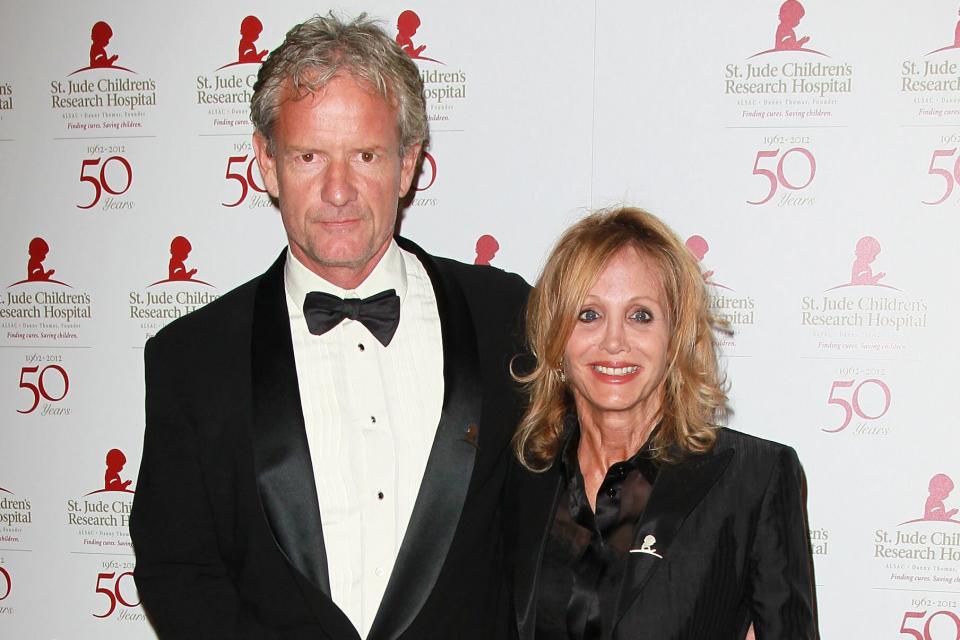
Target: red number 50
x=38, y=390
x=849, y=408
x=114, y=594
x=101, y=185
x=245, y=182
x=949, y=178
x=779, y=178
x=915, y=633
x=6, y=578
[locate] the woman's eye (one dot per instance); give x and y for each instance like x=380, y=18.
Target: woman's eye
x=588, y=315
x=641, y=315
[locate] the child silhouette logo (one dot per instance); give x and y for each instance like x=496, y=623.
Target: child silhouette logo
x=862, y=273
x=37, y=251
x=177, y=271
x=487, y=247
x=785, y=39
x=247, y=53
x=112, y=482
x=698, y=247
x=407, y=24
x=100, y=36
x=956, y=40
x=934, y=509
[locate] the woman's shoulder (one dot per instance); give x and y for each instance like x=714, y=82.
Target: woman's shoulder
x=748, y=447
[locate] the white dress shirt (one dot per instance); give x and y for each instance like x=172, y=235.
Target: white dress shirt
x=371, y=413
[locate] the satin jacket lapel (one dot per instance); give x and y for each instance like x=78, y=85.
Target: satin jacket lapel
x=281, y=453
x=446, y=478
x=679, y=488
x=540, y=495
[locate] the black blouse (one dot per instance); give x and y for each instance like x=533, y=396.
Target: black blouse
x=586, y=552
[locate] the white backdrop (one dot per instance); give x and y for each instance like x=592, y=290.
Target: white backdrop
x=820, y=184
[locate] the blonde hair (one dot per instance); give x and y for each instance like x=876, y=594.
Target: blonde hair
x=694, y=397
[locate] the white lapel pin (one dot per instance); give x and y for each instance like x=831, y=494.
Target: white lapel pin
x=647, y=547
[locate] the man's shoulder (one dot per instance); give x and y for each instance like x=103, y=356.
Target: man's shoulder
x=484, y=278
x=229, y=314
x=473, y=278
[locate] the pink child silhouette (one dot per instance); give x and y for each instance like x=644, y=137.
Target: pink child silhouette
x=250, y=30
x=111, y=478
x=487, y=247
x=407, y=24
x=791, y=12
x=956, y=34
x=867, y=249
x=179, y=250
x=940, y=487
x=100, y=35
x=697, y=245
x=38, y=250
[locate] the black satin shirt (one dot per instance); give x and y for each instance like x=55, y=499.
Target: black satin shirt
x=586, y=552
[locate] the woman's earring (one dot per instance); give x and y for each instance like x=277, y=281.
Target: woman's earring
x=560, y=373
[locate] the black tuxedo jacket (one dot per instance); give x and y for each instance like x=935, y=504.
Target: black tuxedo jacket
x=731, y=534
x=226, y=521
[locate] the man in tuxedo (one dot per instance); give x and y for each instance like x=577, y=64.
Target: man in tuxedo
x=330, y=464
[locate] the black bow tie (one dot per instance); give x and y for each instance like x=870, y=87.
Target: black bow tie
x=380, y=313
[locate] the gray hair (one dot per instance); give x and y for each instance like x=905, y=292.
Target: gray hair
x=316, y=50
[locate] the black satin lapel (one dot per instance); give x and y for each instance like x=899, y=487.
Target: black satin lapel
x=446, y=478
x=538, y=495
x=679, y=488
x=284, y=471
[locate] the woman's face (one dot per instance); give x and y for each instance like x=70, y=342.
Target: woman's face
x=616, y=358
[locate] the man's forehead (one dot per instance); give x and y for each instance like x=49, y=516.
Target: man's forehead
x=312, y=83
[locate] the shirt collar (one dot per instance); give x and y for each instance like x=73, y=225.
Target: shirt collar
x=643, y=459
x=390, y=273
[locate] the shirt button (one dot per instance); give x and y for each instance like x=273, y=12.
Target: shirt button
x=373, y=419
x=360, y=346
x=379, y=495
x=612, y=492
x=379, y=571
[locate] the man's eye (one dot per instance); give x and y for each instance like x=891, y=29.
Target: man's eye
x=367, y=156
x=307, y=157
x=588, y=315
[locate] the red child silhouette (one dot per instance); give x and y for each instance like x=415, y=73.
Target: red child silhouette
x=940, y=487
x=697, y=245
x=101, y=34
x=38, y=250
x=791, y=12
x=111, y=478
x=487, y=247
x=407, y=24
x=867, y=249
x=179, y=250
x=250, y=30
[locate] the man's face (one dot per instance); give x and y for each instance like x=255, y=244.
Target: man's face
x=337, y=172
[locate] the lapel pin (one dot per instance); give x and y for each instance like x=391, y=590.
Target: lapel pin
x=470, y=435
x=647, y=547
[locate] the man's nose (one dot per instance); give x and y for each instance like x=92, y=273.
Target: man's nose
x=339, y=187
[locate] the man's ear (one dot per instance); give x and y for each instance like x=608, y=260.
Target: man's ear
x=408, y=166
x=267, y=163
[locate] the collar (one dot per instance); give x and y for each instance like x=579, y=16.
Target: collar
x=390, y=273
x=569, y=463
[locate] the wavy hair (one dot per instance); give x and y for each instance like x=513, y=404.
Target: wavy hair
x=316, y=50
x=694, y=398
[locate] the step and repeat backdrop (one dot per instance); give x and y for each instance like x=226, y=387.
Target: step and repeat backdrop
x=806, y=151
